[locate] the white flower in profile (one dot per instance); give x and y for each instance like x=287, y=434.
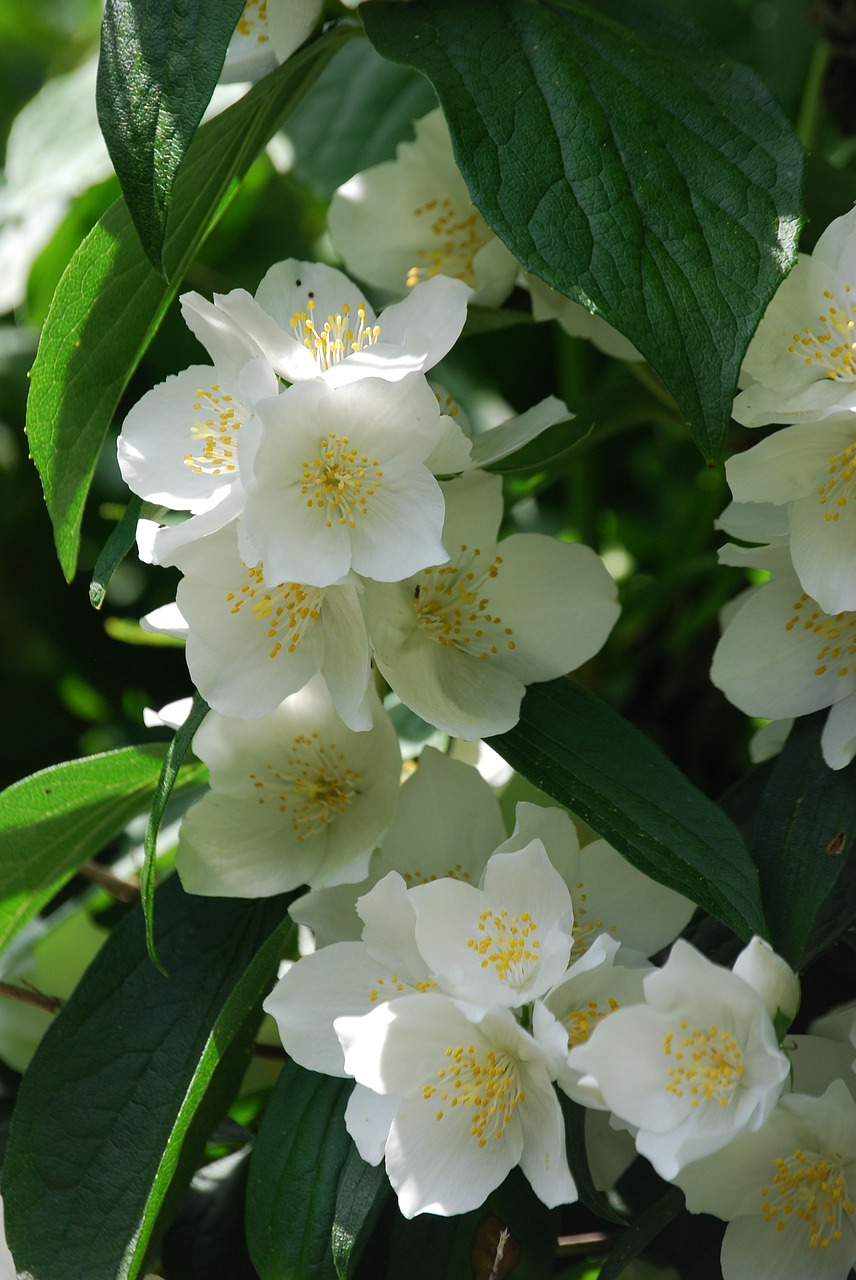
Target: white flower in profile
x=781, y=655
x=296, y=798
x=188, y=443
x=771, y=976
x=549, y=304
x=412, y=218
x=448, y=823
x=459, y=643
x=787, y=1191
x=470, y=1096
x=252, y=643
x=810, y=469
x=705, y=1064
x=268, y=33
x=309, y=320
x=800, y=363
x=341, y=482
x=610, y=896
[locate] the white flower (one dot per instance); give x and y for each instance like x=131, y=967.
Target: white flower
x=340, y=482
x=448, y=822
x=473, y=1098
x=781, y=655
x=268, y=32
x=787, y=1191
x=610, y=896
x=309, y=320
x=411, y=218
x=251, y=643
x=689, y=1069
x=548, y=304
x=800, y=363
x=771, y=976
x=296, y=798
x=459, y=643
x=811, y=469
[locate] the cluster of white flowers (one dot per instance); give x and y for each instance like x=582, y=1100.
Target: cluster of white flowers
x=790, y=646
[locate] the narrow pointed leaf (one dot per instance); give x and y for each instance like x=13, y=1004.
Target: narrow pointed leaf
x=583, y=754
x=122, y=1075
x=117, y=546
x=640, y=1233
x=53, y=821
x=110, y=300
x=623, y=159
x=361, y=1195
x=158, y=65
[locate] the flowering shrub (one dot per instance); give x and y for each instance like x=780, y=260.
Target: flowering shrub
x=418, y=361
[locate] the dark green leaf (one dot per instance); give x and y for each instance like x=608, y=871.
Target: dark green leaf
x=578, y=750
x=547, y=449
x=360, y=1197
x=110, y=301
x=575, y=1139
x=53, y=821
x=176, y=752
x=354, y=116
x=301, y=1150
x=641, y=1232
x=805, y=831
x=426, y=1247
x=157, y=68
x=114, y=551
x=207, y=1240
x=623, y=159
x=122, y=1074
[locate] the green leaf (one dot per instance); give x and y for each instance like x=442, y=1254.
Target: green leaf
x=53, y=821
x=575, y=1140
x=805, y=831
x=121, y=1076
x=623, y=159
x=361, y=1195
x=354, y=116
x=641, y=1232
x=175, y=754
x=157, y=68
x=110, y=300
x=549, y=448
x=114, y=551
x=301, y=1149
x=577, y=749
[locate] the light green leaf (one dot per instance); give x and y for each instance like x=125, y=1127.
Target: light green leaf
x=125, y=1072
x=110, y=301
x=53, y=821
x=623, y=159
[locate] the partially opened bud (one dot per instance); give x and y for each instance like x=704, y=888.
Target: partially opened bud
x=769, y=975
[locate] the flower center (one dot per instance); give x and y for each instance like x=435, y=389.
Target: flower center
x=452, y=240
x=811, y=1188
x=315, y=786
x=708, y=1065
x=286, y=609
x=214, y=436
x=385, y=988
x=585, y=930
x=841, y=469
x=456, y=872
x=337, y=337
x=508, y=943
x=837, y=632
x=486, y=1080
x=831, y=348
x=253, y=21
x=340, y=481
x=451, y=609
x=580, y=1023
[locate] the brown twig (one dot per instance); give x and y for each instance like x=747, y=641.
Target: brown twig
x=273, y=1051
x=28, y=994
x=121, y=890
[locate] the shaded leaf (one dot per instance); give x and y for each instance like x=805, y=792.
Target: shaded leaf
x=117, y=546
x=583, y=754
x=623, y=159
x=157, y=68
x=641, y=1232
x=360, y=1198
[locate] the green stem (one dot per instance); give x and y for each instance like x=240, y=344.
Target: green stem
x=811, y=110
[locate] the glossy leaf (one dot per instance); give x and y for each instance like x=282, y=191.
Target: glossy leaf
x=623, y=159
x=301, y=1149
x=122, y=1074
x=804, y=837
x=578, y=750
x=362, y=1192
x=158, y=65
x=53, y=821
x=110, y=300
